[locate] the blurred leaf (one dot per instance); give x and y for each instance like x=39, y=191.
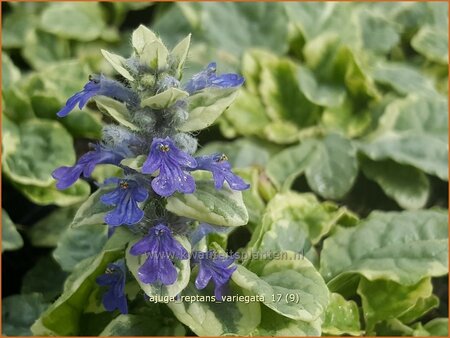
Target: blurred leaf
x=44, y=49
x=408, y=186
x=46, y=278
x=63, y=317
x=10, y=73
x=403, y=247
x=413, y=131
x=422, y=306
x=284, y=167
x=207, y=204
x=290, y=286
x=246, y=26
x=18, y=106
x=341, y=317
x=437, y=327
x=275, y=325
x=11, y=238
x=15, y=26
x=384, y=299
x=52, y=195
x=33, y=149
x=139, y=325
x=19, y=312
x=47, y=231
x=83, y=22
x=335, y=156
x=433, y=44
x=214, y=319
x=77, y=244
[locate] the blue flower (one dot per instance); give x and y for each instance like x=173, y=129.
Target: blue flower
x=221, y=169
x=216, y=267
x=125, y=197
x=208, y=78
x=98, y=85
x=161, y=247
x=172, y=163
x=114, y=278
x=67, y=176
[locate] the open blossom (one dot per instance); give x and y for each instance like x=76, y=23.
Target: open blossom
x=125, y=198
x=213, y=266
x=221, y=170
x=98, y=85
x=114, y=278
x=208, y=78
x=160, y=247
x=172, y=164
x=66, y=176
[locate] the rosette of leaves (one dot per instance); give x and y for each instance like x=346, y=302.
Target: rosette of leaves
x=370, y=99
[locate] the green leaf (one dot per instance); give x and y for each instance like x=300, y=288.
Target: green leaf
x=117, y=110
x=179, y=55
x=402, y=247
x=83, y=124
x=408, y=186
x=377, y=33
x=384, y=299
x=17, y=105
x=11, y=238
x=246, y=26
x=19, y=312
x=247, y=114
x=413, y=131
x=289, y=286
x=432, y=43
x=280, y=92
x=153, y=290
x=81, y=22
x=288, y=164
x=335, y=156
x=33, y=149
x=327, y=95
x=16, y=25
x=341, y=317
x=208, y=204
x=47, y=231
x=10, y=74
x=52, y=195
x=208, y=318
x=437, y=327
x=423, y=306
x=275, y=325
x=140, y=325
x=164, y=99
x=63, y=317
x=141, y=37
x=135, y=163
x=402, y=77
x=206, y=106
x=77, y=244
x=46, y=277
x=93, y=210
x=43, y=49
x=282, y=132
x=117, y=62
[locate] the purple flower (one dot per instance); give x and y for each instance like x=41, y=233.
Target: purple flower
x=172, y=163
x=125, y=198
x=98, y=85
x=114, y=278
x=67, y=176
x=161, y=247
x=221, y=169
x=208, y=78
x=216, y=267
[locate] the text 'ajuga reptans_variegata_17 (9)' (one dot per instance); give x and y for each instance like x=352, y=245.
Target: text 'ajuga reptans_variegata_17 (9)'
x=156, y=112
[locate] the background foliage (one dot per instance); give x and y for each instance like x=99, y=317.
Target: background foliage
x=341, y=128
